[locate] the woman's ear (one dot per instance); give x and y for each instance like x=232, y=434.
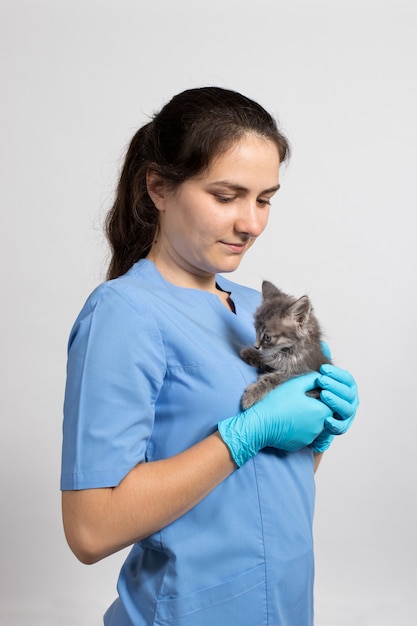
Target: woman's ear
x=157, y=188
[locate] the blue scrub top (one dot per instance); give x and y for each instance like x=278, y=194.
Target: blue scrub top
x=152, y=368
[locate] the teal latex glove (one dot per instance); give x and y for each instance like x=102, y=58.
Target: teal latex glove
x=326, y=349
x=340, y=393
x=324, y=440
x=285, y=418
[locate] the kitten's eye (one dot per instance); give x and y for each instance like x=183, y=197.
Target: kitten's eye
x=266, y=338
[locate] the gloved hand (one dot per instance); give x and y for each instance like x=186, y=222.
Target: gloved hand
x=341, y=396
x=285, y=418
x=326, y=349
x=324, y=440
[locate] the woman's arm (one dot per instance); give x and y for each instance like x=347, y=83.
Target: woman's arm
x=99, y=522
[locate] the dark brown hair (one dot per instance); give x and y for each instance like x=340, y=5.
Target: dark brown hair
x=180, y=142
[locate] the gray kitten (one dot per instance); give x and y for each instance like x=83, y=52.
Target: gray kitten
x=288, y=342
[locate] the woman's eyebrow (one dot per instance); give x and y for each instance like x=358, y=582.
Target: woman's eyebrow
x=234, y=187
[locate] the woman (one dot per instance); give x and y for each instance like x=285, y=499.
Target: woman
x=217, y=503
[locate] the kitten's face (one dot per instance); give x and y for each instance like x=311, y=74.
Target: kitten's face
x=276, y=332
x=280, y=325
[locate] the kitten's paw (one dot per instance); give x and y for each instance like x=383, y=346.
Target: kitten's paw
x=314, y=393
x=250, y=355
x=252, y=395
x=246, y=401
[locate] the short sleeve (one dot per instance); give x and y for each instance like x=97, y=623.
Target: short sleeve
x=116, y=365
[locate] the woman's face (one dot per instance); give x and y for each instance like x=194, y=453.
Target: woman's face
x=209, y=222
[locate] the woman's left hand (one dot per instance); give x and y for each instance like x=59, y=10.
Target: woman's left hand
x=322, y=442
x=339, y=392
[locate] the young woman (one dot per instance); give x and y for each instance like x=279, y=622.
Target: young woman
x=217, y=503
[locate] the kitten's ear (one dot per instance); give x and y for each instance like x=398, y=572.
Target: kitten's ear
x=301, y=309
x=269, y=290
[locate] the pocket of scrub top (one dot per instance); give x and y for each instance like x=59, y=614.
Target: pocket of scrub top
x=220, y=605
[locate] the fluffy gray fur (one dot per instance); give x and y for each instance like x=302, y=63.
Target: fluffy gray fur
x=288, y=342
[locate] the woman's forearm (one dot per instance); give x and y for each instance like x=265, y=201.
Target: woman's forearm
x=99, y=522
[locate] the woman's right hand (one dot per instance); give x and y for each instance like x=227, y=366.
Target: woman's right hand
x=286, y=418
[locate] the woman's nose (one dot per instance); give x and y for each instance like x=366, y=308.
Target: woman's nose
x=252, y=219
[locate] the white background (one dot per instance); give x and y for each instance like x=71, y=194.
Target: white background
x=78, y=77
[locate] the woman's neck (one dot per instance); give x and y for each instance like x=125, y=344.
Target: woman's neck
x=181, y=276
x=191, y=281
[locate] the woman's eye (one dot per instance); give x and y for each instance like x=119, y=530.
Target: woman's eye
x=264, y=201
x=224, y=199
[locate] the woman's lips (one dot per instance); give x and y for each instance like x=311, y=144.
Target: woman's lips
x=236, y=247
